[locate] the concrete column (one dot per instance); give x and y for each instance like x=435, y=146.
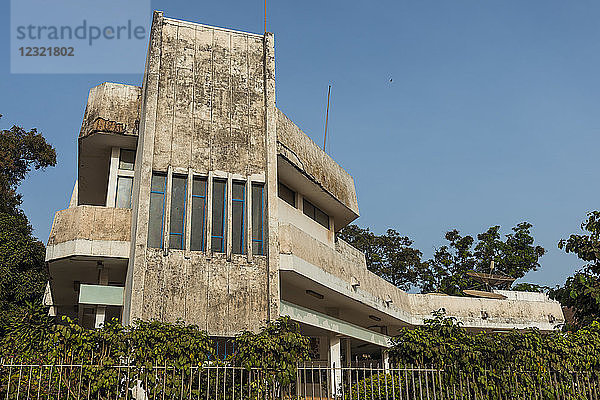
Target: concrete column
x=101, y=309
x=188, y=214
x=100, y=316
x=348, y=352
x=111, y=193
x=167, y=212
x=386, y=359
x=271, y=200
x=335, y=362
x=134, y=283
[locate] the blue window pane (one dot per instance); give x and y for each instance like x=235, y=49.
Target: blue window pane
x=157, y=204
x=219, y=197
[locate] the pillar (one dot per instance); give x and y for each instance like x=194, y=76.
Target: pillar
x=335, y=363
x=101, y=309
x=386, y=359
x=348, y=352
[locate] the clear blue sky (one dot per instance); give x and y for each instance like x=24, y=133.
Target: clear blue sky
x=491, y=118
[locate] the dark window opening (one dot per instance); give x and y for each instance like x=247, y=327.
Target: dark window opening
x=286, y=194
x=127, y=159
x=177, y=221
x=157, y=208
x=238, y=208
x=199, y=188
x=258, y=219
x=315, y=213
x=223, y=347
x=219, y=200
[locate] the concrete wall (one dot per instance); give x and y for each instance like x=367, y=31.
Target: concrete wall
x=307, y=156
x=90, y=231
x=90, y=223
x=112, y=108
x=341, y=269
x=293, y=216
x=220, y=296
x=207, y=108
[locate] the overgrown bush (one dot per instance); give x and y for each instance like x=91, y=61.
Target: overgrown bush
x=279, y=347
x=444, y=343
x=163, y=356
x=487, y=365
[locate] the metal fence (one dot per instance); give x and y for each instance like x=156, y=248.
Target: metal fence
x=368, y=382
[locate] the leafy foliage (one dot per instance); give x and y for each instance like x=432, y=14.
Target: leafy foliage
x=444, y=344
x=514, y=364
x=514, y=256
x=278, y=347
x=20, y=150
x=150, y=349
x=530, y=287
x=394, y=258
x=390, y=256
x=22, y=272
x=581, y=291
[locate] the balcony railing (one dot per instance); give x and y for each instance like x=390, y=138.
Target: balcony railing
x=90, y=230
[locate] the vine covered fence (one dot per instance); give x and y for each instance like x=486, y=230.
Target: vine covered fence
x=369, y=382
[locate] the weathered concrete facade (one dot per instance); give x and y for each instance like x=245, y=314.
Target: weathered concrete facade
x=204, y=111
x=147, y=214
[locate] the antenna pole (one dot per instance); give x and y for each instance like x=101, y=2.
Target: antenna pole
x=326, y=117
x=265, y=16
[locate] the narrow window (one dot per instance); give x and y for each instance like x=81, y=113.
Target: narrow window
x=315, y=213
x=238, y=207
x=287, y=194
x=177, y=223
x=124, y=186
x=125, y=178
x=126, y=159
x=157, y=208
x=258, y=219
x=199, y=187
x=219, y=200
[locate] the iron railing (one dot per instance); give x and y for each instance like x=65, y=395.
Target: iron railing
x=311, y=381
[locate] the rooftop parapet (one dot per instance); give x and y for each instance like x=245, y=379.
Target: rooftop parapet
x=307, y=157
x=343, y=270
x=112, y=108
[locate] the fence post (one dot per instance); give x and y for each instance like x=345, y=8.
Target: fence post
x=334, y=373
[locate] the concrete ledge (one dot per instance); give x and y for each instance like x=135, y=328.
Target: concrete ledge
x=316, y=319
x=92, y=248
x=414, y=309
x=90, y=231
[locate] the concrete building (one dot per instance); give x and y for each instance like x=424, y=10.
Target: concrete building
x=198, y=199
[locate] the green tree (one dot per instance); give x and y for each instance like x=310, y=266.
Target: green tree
x=22, y=272
x=514, y=256
x=581, y=291
x=394, y=258
x=20, y=150
x=391, y=256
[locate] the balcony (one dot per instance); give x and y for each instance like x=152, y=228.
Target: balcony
x=339, y=280
x=90, y=231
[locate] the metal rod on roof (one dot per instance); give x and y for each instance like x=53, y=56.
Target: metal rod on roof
x=326, y=117
x=265, y=16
